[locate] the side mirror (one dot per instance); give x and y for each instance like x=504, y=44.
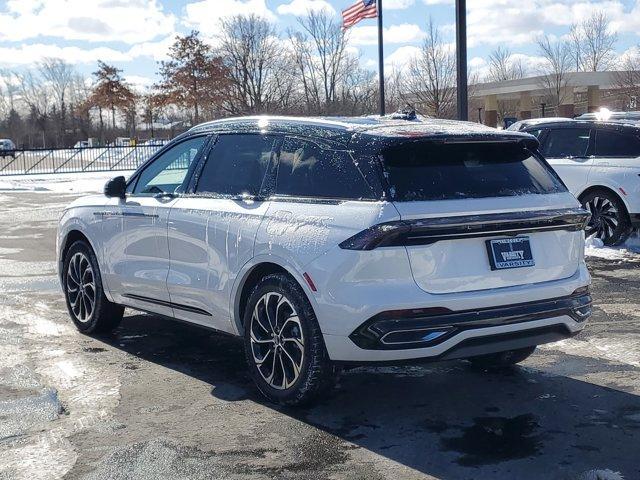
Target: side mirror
x=116, y=187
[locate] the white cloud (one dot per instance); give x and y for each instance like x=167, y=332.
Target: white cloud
x=517, y=22
x=205, y=14
x=139, y=82
x=397, y=4
x=301, y=7
x=368, y=35
x=158, y=50
x=129, y=21
x=401, y=58
x=29, y=54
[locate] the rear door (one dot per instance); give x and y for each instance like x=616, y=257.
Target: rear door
x=482, y=216
x=570, y=151
x=212, y=230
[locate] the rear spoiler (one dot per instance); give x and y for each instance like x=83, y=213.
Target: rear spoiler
x=431, y=230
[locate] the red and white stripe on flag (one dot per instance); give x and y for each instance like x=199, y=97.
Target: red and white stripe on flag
x=359, y=11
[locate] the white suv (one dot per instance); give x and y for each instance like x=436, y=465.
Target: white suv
x=600, y=164
x=327, y=243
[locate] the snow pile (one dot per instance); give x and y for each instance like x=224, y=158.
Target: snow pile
x=629, y=250
x=83, y=182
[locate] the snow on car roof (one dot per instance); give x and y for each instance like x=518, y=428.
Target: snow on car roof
x=368, y=125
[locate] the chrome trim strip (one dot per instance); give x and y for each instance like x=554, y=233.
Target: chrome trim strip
x=166, y=303
x=430, y=230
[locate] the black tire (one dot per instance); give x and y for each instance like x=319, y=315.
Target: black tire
x=502, y=360
x=315, y=375
x=104, y=316
x=609, y=218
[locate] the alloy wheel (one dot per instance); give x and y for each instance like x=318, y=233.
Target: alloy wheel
x=81, y=287
x=604, y=218
x=277, y=340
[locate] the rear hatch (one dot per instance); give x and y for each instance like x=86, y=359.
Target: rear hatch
x=484, y=214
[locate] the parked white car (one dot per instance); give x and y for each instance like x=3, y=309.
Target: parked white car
x=337, y=242
x=7, y=148
x=600, y=164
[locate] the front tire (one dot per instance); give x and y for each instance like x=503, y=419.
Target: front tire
x=609, y=219
x=88, y=306
x=502, y=360
x=284, y=346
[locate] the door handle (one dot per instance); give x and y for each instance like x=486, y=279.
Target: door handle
x=165, y=196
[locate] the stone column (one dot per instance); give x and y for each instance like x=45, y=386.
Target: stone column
x=566, y=107
x=594, y=98
x=491, y=110
x=525, y=105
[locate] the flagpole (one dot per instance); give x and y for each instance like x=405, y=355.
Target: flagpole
x=380, y=58
x=461, y=59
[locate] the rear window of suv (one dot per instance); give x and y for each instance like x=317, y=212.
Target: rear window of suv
x=429, y=171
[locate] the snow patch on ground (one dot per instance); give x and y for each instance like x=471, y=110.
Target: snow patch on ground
x=629, y=250
x=83, y=182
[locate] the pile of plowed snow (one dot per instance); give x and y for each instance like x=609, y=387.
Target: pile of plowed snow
x=84, y=182
x=629, y=250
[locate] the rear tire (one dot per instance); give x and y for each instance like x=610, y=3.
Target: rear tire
x=502, y=360
x=609, y=218
x=284, y=347
x=88, y=306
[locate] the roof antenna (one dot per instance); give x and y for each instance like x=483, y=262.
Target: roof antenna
x=407, y=113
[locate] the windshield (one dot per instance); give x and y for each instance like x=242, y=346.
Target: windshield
x=428, y=171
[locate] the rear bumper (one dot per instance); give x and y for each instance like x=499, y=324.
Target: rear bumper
x=419, y=328
x=464, y=344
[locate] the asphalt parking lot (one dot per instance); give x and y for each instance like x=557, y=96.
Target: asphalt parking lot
x=160, y=399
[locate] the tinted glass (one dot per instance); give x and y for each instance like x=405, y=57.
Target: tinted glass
x=236, y=165
x=427, y=171
x=307, y=170
x=167, y=172
x=567, y=142
x=616, y=144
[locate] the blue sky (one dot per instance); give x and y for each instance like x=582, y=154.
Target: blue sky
x=134, y=34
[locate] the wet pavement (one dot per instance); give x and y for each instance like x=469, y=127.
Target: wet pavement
x=160, y=399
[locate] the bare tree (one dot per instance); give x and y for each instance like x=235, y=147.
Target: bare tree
x=627, y=80
x=320, y=56
x=576, y=41
x=502, y=66
x=593, y=43
x=432, y=75
x=59, y=76
x=251, y=50
x=556, y=69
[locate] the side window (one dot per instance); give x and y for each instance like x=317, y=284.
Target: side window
x=236, y=165
x=167, y=172
x=536, y=132
x=616, y=144
x=567, y=142
x=307, y=170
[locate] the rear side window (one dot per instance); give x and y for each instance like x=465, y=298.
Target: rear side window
x=427, y=171
x=616, y=144
x=305, y=169
x=567, y=142
x=236, y=165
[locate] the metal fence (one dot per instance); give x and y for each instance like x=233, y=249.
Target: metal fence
x=71, y=160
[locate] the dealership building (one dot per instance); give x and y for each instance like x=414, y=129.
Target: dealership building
x=533, y=97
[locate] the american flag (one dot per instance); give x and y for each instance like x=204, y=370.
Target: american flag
x=359, y=11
